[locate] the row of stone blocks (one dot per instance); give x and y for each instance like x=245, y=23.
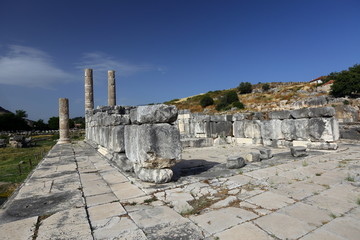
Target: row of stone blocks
x=275, y=129
x=143, y=139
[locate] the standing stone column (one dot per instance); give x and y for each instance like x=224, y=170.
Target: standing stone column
x=64, y=120
x=89, y=94
x=111, y=88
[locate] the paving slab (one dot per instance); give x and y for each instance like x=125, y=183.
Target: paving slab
x=283, y=226
x=68, y=224
x=270, y=200
x=118, y=228
x=307, y=213
x=246, y=231
x=214, y=221
x=105, y=211
x=126, y=190
x=21, y=229
x=101, y=199
x=164, y=223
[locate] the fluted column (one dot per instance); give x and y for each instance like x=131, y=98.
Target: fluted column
x=111, y=88
x=89, y=92
x=64, y=121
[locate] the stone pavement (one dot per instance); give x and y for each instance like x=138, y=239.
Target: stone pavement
x=77, y=194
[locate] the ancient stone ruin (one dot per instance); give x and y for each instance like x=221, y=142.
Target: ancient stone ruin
x=148, y=140
x=315, y=128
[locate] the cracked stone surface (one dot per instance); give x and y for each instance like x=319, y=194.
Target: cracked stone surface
x=75, y=193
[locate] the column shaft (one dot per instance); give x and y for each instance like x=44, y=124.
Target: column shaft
x=111, y=88
x=89, y=94
x=64, y=120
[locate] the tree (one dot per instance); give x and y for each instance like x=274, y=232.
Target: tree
x=346, y=83
x=229, y=98
x=40, y=125
x=206, y=100
x=53, y=123
x=245, y=87
x=10, y=121
x=265, y=87
x=21, y=114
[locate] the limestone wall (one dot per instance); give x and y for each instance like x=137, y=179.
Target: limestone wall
x=143, y=139
x=311, y=127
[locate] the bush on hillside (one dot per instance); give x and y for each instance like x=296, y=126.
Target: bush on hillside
x=245, y=87
x=265, y=87
x=347, y=82
x=206, y=100
x=238, y=105
x=229, y=99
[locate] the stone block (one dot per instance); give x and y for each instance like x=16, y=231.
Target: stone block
x=252, y=129
x=220, y=118
x=325, y=129
x=159, y=113
x=322, y=145
x=121, y=161
x=116, y=139
x=271, y=129
x=301, y=129
x=238, y=129
x=238, y=117
x=321, y=112
x=153, y=175
x=244, y=141
x=153, y=145
x=298, y=151
x=285, y=114
x=221, y=129
x=252, y=157
x=288, y=129
x=235, y=162
x=265, y=153
x=300, y=113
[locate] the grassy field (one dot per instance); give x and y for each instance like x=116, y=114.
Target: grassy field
x=16, y=163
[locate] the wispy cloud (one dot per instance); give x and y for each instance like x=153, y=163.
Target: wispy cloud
x=102, y=62
x=30, y=67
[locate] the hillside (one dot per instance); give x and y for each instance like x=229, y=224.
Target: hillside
x=278, y=96
x=3, y=110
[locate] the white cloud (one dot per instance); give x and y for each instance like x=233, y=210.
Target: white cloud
x=30, y=67
x=101, y=62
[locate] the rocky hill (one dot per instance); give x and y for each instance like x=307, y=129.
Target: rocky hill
x=276, y=96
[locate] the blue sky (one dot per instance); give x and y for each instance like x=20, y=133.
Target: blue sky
x=163, y=50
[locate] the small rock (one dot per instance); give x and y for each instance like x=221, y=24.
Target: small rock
x=252, y=157
x=298, y=151
x=265, y=153
x=235, y=162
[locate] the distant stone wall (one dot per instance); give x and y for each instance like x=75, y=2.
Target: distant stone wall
x=311, y=127
x=143, y=139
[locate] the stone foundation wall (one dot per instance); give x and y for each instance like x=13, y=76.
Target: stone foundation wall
x=143, y=139
x=311, y=127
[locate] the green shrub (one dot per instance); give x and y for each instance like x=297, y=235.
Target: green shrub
x=206, y=100
x=346, y=102
x=220, y=106
x=245, y=87
x=231, y=97
x=265, y=87
x=238, y=105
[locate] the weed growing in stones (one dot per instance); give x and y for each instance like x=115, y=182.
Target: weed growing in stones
x=318, y=174
x=150, y=200
x=198, y=205
x=350, y=178
x=358, y=201
x=304, y=164
x=333, y=215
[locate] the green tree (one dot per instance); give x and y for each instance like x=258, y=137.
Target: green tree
x=346, y=83
x=10, y=121
x=265, y=87
x=21, y=113
x=40, y=125
x=206, y=100
x=53, y=123
x=245, y=87
x=229, y=98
